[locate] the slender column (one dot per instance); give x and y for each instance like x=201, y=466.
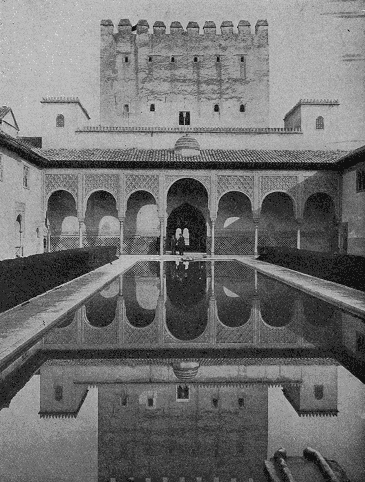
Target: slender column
x=213, y=236
x=256, y=248
x=81, y=226
x=121, y=234
x=162, y=219
x=299, y=225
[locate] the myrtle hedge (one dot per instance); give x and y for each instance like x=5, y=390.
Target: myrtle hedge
x=345, y=269
x=24, y=278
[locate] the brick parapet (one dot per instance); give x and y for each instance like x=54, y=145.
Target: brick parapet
x=184, y=129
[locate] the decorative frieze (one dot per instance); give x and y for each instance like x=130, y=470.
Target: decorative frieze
x=142, y=182
x=102, y=182
x=57, y=182
x=242, y=184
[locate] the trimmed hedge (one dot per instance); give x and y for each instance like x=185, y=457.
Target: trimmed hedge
x=345, y=269
x=24, y=278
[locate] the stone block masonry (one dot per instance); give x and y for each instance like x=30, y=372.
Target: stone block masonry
x=184, y=77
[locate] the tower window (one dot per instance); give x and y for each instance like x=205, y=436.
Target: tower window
x=360, y=180
x=184, y=118
x=195, y=59
x=149, y=59
x=126, y=109
x=218, y=59
x=126, y=59
x=320, y=122
x=215, y=402
x=216, y=108
x=318, y=392
x=172, y=59
x=60, y=121
x=150, y=402
x=242, y=58
x=58, y=393
x=241, y=402
x=152, y=108
x=242, y=108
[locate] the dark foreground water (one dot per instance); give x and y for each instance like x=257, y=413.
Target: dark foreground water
x=186, y=370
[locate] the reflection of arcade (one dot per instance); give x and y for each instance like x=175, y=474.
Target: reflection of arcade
x=187, y=300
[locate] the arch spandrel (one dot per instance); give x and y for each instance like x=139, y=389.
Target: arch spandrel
x=60, y=182
x=242, y=184
x=130, y=194
x=286, y=184
x=101, y=182
x=141, y=182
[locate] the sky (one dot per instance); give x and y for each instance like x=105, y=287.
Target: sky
x=51, y=48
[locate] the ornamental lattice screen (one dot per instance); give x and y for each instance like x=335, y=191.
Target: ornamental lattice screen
x=278, y=238
x=141, y=245
x=243, y=244
x=93, y=241
x=60, y=243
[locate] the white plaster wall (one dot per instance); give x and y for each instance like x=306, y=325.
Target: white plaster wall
x=12, y=192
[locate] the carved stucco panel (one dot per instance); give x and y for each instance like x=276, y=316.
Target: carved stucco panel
x=142, y=182
x=56, y=182
x=104, y=182
x=287, y=184
x=244, y=184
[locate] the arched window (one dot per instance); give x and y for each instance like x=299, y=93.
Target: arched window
x=216, y=108
x=60, y=120
x=152, y=108
x=195, y=59
x=320, y=122
x=126, y=108
x=318, y=392
x=172, y=59
x=186, y=236
x=218, y=59
x=242, y=108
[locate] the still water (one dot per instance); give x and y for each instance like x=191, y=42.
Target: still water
x=195, y=369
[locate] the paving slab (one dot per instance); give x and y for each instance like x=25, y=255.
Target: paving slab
x=22, y=325
x=343, y=297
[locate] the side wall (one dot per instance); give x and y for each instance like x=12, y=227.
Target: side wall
x=15, y=200
x=353, y=211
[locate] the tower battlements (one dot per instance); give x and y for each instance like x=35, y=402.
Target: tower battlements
x=125, y=28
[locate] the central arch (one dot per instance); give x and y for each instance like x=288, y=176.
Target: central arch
x=187, y=210
x=190, y=221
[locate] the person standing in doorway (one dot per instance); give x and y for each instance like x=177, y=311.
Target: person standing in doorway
x=173, y=244
x=181, y=245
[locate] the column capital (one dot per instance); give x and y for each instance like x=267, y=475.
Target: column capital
x=256, y=219
x=299, y=220
x=121, y=219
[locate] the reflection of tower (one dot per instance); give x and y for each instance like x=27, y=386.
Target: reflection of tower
x=317, y=394
x=144, y=430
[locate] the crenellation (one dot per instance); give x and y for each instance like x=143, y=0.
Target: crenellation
x=159, y=28
x=176, y=28
x=125, y=26
x=209, y=28
x=142, y=27
x=227, y=27
x=192, y=28
x=244, y=27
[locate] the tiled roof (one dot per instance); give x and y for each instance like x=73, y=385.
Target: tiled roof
x=33, y=155
x=246, y=157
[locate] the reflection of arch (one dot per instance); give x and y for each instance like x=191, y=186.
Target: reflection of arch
x=277, y=302
x=234, y=225
x=277, y=226
x=100, y=311
x=187, y=302
x=319, y=230
x=234, y=292
x=317, y=312
x=139, y=312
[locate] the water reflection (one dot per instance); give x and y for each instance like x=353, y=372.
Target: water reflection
x=192, y=370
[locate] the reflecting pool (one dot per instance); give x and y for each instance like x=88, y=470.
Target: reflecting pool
x=186, y=369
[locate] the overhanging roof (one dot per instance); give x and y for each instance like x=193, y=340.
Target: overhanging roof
x=23, y=149
x=212, y=158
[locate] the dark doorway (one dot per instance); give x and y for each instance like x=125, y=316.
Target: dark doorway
x=191, y=223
